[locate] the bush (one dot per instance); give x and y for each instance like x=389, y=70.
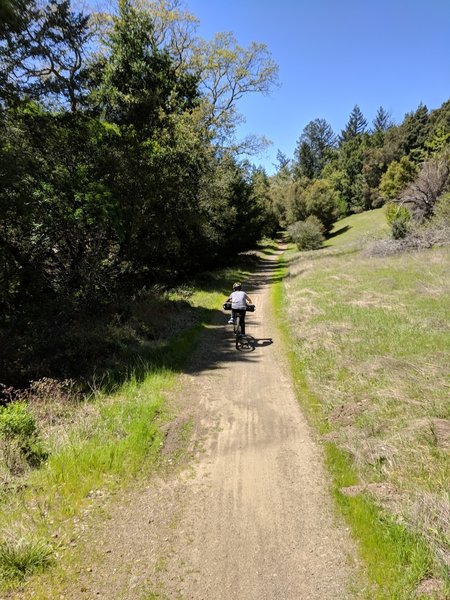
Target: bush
x=19, y=437
x=441, y=214
x=16, y=421
x=398, y=218
x=308, y=234
x=397, y=177
x=399, y=229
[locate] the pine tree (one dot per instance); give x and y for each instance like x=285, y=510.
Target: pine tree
x=382, y=121
x=314, y=148
x=356, y=125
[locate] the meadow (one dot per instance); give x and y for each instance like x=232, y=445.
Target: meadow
x=369, y=340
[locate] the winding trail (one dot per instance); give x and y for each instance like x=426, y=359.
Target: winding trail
x=250, y=517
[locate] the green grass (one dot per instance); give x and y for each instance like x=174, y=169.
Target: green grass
x=369, y=348
x=396, y=558
x=21, y=556
x=357, y=229
x=309, y=401
x=107, y=441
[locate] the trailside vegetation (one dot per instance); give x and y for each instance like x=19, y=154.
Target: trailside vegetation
x=333, y=175
x=120, y=171
x=368, y=343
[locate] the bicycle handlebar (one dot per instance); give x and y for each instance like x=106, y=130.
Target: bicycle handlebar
x=250, y=307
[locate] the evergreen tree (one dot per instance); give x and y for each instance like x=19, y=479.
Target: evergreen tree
x=356, y=125
x=283, y=164
x=140, y=84
x=414, y=131
x=382, y=121
x=314, y=148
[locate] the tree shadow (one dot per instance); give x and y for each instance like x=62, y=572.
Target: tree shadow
x=102, y=354
x=338, y=232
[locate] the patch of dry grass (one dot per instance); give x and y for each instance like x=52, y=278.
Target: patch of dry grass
x=372, y=337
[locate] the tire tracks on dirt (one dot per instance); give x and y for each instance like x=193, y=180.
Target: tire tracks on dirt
x=250, y=517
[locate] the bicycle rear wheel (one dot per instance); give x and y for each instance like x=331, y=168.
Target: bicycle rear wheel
x=238, y=331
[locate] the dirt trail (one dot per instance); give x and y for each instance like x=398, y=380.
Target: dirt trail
x=251, y=517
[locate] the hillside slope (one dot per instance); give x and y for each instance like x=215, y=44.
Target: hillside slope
x=371, y=343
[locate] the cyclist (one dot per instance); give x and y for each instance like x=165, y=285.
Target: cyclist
x=239, y=301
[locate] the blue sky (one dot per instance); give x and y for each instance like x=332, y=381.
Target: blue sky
x=333, y=54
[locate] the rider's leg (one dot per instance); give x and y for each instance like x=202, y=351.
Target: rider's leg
x=242, y=321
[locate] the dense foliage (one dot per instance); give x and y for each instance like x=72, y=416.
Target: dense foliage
x=331, y=176
x=118, y=164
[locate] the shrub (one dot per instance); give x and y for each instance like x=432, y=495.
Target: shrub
x=16, y=421
x=397, y=177
x=19, y=437
x=398, y=218
x=442, y=211
x=308, y=234
x=399, y=229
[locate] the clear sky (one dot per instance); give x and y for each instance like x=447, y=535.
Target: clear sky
x=333, y=54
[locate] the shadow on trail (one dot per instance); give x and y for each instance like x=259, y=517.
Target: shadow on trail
x=248, y=343
x=99, y=355
x=217, y=345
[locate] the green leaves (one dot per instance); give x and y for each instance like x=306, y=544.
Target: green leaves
x=113, y=177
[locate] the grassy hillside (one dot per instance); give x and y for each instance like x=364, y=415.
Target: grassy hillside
x=370, y=347
x=358, y=230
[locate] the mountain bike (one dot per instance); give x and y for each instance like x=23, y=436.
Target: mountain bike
x=241, y=341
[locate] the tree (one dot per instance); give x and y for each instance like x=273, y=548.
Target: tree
x=414, y=131
x=227, y=72
x=283, y=164
x=261, y=195
x=345, y=173
x=295, y=208
x=11, y=15
x=322, y=202
x=45, y=58
x=397, y=177
x=438, y=141
x=439, y=120
x=314, y=148
x=173, y=28
x=382, y=121
x=304, y=198
x=432, y=181
x=140, y=85
x=356, y=125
